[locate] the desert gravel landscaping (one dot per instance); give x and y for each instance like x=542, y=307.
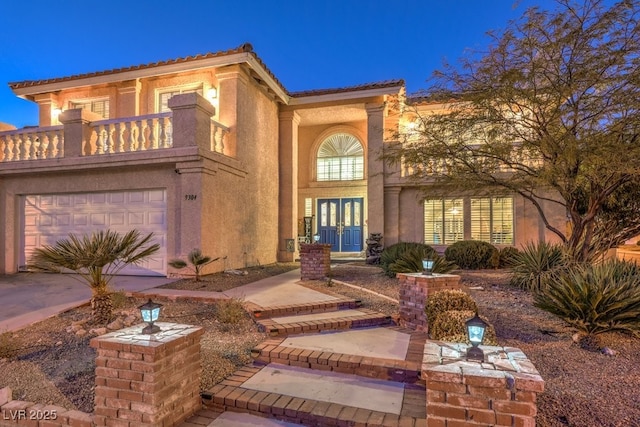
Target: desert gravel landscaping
x=584, y=386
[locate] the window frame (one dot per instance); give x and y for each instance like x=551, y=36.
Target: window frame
x=341, y=167
x=81, y=103
x=176, y=90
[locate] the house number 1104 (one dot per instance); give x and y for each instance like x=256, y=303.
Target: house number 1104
x=190, y=196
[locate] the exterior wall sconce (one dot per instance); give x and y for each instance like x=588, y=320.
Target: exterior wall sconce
x=212, y=93
x=150, y=312
x=427, y=267
x=316, y=238
x=476, y=328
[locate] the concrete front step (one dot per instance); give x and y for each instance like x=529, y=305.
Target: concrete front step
x=318, y=398
x=334, y=304
x=321, y=322
x=390, y=353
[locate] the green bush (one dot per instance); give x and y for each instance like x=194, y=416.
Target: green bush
x=442, y=301
x=391, y=255
x=473, y=254
x=535, y=263
x=507, y=256
x=450, y=326
x=411, y=262
x=594, y=298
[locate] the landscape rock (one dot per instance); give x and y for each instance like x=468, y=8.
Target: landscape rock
x=130, y=320
x=81, y=332
x=98, y=331
x=115, y=325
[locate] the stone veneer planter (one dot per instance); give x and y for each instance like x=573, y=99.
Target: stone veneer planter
x=315, y=261
x=414, y=290
x=501, y=391
x=147, y=380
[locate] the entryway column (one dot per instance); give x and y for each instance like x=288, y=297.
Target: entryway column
x=375, y=167
x=392, y=214
x=288, y=195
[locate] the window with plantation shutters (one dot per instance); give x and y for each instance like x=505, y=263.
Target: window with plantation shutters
x=98, y=106
x=165, y=95
x=492, y=220
x=340, y=158
x=443, y=221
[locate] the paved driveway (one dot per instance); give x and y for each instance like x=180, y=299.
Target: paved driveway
x=26, y=298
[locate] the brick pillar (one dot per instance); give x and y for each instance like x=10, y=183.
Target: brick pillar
x=147, y=380
x=414, y=290
x=501, y=391
x=315, y=261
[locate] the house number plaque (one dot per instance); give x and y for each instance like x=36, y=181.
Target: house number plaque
x=190, y=196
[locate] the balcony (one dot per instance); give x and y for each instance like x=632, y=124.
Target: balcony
x=84, y=134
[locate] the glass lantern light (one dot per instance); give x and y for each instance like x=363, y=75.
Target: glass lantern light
x=427, y=267
x=476, y=328
x=316, y=238
x=150, y=312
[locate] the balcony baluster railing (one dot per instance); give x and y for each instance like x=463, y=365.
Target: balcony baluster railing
x=122, y=135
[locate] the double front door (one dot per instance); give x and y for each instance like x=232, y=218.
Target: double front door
x=340, y=223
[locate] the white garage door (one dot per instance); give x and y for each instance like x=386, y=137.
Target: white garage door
x=48, y=218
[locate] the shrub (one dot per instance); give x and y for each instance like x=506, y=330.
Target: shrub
x=195, y=260
x=230, y=311
x=595, y=298
x=473, y=254
x=410, y=261
x=9, y=345
x=391, y=255
x=507, y=256
x=450, y=326
x=442, y=301
x=536, y=262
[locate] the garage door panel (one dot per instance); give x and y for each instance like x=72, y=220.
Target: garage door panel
x=49, y=218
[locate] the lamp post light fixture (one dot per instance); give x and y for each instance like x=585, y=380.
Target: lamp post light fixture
x=316, y=238
x=150, y=312
x=476, y=328
x=427, y=267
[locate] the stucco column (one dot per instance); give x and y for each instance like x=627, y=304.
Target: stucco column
x=77, y=132
x=230, y=82
x=189, y=206
x=47, y=102
x=375, y=168
x=191, y=120
x=288, y=172
x=129, y=99
x=392, y=214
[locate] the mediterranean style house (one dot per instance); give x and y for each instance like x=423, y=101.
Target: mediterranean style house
x=213, y=152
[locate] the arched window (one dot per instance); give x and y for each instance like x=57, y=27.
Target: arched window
x=340, y=158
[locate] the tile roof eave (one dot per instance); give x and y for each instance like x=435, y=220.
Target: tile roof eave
x=241, y=54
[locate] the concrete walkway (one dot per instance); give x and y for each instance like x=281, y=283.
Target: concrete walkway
x=31, y=297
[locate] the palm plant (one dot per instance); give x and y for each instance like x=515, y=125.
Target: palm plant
x=595, y=298
x=96, y=259
x=197, y=261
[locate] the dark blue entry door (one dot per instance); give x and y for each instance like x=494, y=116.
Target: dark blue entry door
x=340, y=223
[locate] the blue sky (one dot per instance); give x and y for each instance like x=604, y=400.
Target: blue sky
x=307, y=44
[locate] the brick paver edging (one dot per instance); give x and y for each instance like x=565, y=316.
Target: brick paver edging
x=274, y=327
x=21, y=413
x=407, y=371
x=230, y=395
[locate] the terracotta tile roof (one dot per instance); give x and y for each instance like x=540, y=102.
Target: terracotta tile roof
x=366, y=86
x=244, y=48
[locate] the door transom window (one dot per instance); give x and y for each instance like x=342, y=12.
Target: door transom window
x=340, y=158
